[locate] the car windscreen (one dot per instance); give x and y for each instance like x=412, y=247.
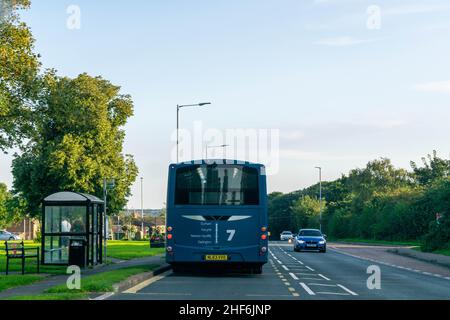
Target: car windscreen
x=227, y=185
x=310, y=233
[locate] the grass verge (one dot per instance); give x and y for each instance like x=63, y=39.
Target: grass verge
x=102, y=282
x=11, y=281
x=127, y=250
x=52, y=296
x=445, y=252
x=124, y=250
x=380, y=242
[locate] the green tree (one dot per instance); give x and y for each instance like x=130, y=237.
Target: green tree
x=19, y=77
x=78, y=142
x=306, y=212
x=378, y=176
x=280, y=211
x=4, y=197
x=434, y=169
x=11, y=208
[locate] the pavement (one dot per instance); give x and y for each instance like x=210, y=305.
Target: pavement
x=40, y=287
x=339, y=274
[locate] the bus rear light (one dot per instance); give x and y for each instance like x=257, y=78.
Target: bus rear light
x=264, y=229
x=264, y=237
x=263, y=250
x=169, y=249
x=169, y=236
x=169, y=229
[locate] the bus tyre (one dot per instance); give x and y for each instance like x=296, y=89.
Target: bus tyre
x=176, y=269
x=257, y=270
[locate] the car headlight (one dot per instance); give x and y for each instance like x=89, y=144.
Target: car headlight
x=322, y=242
x=301, y=241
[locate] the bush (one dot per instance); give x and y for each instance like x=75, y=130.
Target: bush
x=438, y=237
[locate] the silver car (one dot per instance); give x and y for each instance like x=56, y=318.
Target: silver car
x=8, y=236
x=286, y=236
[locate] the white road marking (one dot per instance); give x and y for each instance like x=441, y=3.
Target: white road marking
x=104, y=296
x=293, y=276
x=322, y=285
x=334, y=293
x=304, y=274
x=163, y=294
x=307, y=289
x=146, y=283
x=348, y=290
x=321, y=275
x=309, y=268
x=285, y=268
x=267, y=295
x=295, y=294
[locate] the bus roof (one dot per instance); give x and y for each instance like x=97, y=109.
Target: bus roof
x=215, y=161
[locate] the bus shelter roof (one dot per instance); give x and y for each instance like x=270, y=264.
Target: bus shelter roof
x=68, y=196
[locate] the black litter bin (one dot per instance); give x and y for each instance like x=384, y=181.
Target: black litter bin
x=77, y=252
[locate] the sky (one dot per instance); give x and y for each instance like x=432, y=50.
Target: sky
x=343, y=82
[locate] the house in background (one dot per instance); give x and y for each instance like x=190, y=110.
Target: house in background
x=131, y=221
x=28, y=229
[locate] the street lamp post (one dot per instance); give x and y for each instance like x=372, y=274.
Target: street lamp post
x=142, y=207
x=106, y=184
x=320, y=195
x=210, y=147
x=178, y=119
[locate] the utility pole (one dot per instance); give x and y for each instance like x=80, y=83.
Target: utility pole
x=320, y=195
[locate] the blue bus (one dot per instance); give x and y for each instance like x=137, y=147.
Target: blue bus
x=217, y=215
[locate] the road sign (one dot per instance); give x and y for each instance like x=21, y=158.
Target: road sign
x=111, y=183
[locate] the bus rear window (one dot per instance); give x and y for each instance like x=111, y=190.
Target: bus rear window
x=227, y=185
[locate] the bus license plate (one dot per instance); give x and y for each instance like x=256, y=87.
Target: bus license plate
x=216, y=257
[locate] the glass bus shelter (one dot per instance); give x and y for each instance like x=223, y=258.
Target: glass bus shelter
x=67, y=216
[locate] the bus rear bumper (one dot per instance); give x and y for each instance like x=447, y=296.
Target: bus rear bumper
x=244, y=255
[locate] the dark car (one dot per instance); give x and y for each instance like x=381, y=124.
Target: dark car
x=310, y=240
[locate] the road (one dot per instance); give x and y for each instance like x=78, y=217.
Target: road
x=297, y=276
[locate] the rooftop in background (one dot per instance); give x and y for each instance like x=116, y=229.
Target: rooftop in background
x=147, y=212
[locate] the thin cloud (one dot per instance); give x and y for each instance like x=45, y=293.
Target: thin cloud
x=342, y=41
x=416, y=9
x=437, y=86
x=294, y=154
x=438, y=27
x=293, y=135
x=320, y=2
